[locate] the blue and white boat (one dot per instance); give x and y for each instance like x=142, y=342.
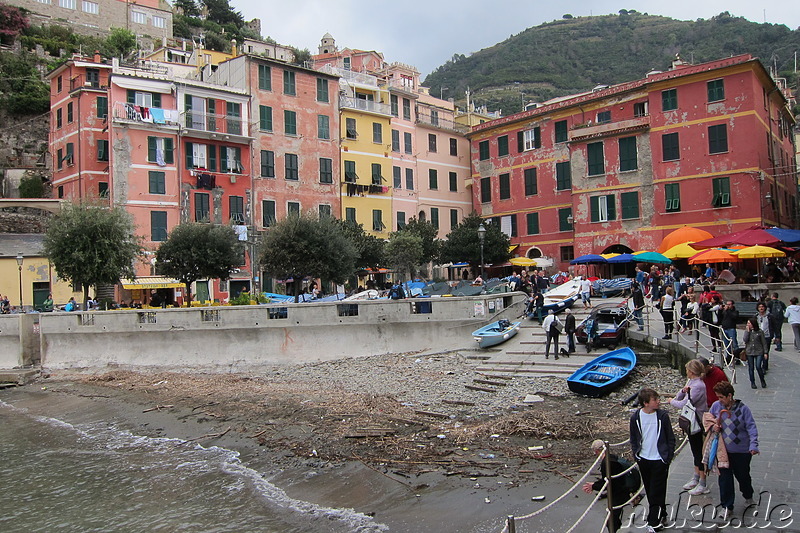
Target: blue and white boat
x=603, y=374
x=495, y=333
x=561, y=297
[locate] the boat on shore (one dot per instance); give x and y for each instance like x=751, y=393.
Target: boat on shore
x=603, y=374
x=496, y=333
x=558, y=299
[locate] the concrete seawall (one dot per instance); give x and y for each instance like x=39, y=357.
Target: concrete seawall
x=266, y=334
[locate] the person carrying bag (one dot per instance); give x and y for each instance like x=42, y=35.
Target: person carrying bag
x=691, y=400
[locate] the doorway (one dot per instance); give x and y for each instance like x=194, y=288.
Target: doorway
x=41, y=290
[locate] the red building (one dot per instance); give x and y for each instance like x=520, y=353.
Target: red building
x=619, y=167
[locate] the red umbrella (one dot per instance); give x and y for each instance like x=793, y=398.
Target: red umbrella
x=749, y=237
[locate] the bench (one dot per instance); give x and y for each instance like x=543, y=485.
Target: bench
x=746, y=310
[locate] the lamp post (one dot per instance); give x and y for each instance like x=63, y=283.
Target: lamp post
x=19, y=265
x=481, y=237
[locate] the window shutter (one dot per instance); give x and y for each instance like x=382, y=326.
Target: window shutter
x=212, y=158
x=537, y=137
x=168, y=151
x=189, y=156
x=131, y=96
x=611, y=207
x=594, y=207
x=238, y=159
x=151, y=149
x=156, y=99
x=520, y=141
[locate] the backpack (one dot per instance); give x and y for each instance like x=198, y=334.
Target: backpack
x=633, y=480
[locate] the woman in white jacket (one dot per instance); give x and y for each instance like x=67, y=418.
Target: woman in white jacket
x=695, y=391
x=793, y=314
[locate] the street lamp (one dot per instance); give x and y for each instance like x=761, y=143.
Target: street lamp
x=19, y=265
x=481, y=237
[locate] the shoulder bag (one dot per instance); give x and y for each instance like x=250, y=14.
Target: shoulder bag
x=687, y=420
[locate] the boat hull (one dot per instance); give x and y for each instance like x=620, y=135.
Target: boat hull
x=603, y=374
x=492, y=334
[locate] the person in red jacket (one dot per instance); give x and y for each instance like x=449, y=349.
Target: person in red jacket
x=714, y=375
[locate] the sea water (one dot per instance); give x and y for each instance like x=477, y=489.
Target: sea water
x=55, y=476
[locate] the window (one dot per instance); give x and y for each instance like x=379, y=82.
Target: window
x=147, y=99
x=453, y=178
x=61, y=191
x=453, y=218
x=672, y=194
x=627, y=154
x=395, y=141
x=201, y=210
x=291, y=166
x=483, y=150
x=60, y=84
x=401, y=220
x=60, y=159
x=69, y=113
x=669, y=147
x=433, y=179
x=435, y=217
x=350, y=175
x=721, y=189
x=233, y=116
x=406, y=109
x=432, y=142
x=325, y=170
x=453, y=146
x=629, y=201
x=323, y=127
x=397, y=177
x=293, y=208
x=377, y=220
x=410, y=179
x=532, y=220
x=322, y=90
x=267, y=213
x=159, y=150
x=59, y=118
x=67, y=4
x=157, y=182
x=716, y=90
x=350, y=214
x=267, y=164
x=102, y=107
x=531, y=139
x=230, y=159
x=505, y=186
x=567, y=253
x=264, y=118
x=136, y=16
x=102, y=150
x=394, y=104
x=102, y=189
x=350, y=127
x=289, y=86
x=604, y=117
x=377, y=174
x=377, y=133
x=602, y=208
x=159, y=22
x=596, y=164
x=565, y=219
x=502, y=145
x=407, y=142
x=70, y=155
x=93, y=79
x=561, y=131
x=434, y=117
x=324, y=211
x=158, y=226
x=290, y=122
x=669, y=100
x=264, y=77
x=640, y=109
x=347, y=63
x=486, y=190
x=236, y=209
x=563, y=176
x=531, y=187
x=201, y=156
x=717, y=139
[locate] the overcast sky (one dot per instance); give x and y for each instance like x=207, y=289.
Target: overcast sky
x=427, y=33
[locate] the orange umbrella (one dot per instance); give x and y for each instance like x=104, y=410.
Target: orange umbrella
x=682, y=235
x=713, y=255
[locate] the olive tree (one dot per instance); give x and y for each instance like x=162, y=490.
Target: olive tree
x=404, y=251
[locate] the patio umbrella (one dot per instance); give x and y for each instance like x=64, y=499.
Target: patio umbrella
x=608, y=255
x=785, y=235
x=713, y=255
x=682, y=235
x=759, y=252
x=681, y=251
x=589, y=259
x=623, y=258
x=652, y=257
x=749, y=237
x=522, y=261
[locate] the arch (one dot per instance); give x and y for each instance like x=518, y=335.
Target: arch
x=45, y=204
x=533, y=253
x=617, y=249
x=422, y=216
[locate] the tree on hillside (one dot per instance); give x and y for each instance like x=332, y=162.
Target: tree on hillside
x=188, y=7
x=119, y=43
x=221, y=12
x=308, y=245
x=404, y=252
x=22, y=91
x=90, y=244
x=369, y=248
x=463, y=244
x=196, y=251
x=12, y=23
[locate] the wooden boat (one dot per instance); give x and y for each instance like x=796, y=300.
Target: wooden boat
x=603, y=374
x=558, y=299
x=495, y=333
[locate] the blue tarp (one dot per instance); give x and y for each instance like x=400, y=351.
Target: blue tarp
x=786, y=235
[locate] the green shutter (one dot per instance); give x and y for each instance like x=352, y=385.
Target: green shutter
x=630, y=205
x=520, y=141
x=594, y=207
x=611, y=207
x=211, y=155
x=131, y=96
x=168, y=151
x=189, y=156
x=187, y=99
x=537, y=137
x=156, y=99
x=151, y=149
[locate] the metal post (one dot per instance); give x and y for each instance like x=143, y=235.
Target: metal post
x=481, y=237
x=20, y=258
x=510, y=523
x=609, y=493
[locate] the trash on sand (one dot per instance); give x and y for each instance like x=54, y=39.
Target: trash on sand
x=487, y=500
x=495, y=436
x=537, y=498
x=441, y=436
x=535, y=448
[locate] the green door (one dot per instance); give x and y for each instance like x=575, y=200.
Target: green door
x=40, y=292
x=202, y=291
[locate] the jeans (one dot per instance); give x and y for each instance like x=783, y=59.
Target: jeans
x=654, y=478
x=637, y=313
x=755, y=363
x=796, y=331
x=571, y=342
x=731, y=334
x=740, y=468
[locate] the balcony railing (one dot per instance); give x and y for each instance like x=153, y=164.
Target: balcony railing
x=592, y=131
x=152, y=115
x=214, y=123
x=441, y=123
x=356, y=78
x=350, y=102
x=83, y=82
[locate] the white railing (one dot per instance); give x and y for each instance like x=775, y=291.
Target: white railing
x=153, y=115
x=364, y=105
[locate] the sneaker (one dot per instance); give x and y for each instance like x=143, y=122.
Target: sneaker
x=725, y=515
x=692, y=484
x=753, y=385
x=699, y=489
x=649, y=529
x=763, y=384
x=748, y=502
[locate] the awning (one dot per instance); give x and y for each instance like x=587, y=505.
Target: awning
x=151, y=282
x=512, y=248
x=146, y=85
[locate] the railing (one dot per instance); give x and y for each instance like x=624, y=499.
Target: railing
x=364, y=105
x=402, y=84
x=81, y=82
x=441, y=123
x=153, y=115
x=350, y=76
x=214, y=123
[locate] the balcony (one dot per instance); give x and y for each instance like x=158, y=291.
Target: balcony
x=87, y=82
x=352, y=78
x=445, y=124
x=151, y=115
x=349, y=102
x=215, y=124
x=584, y=132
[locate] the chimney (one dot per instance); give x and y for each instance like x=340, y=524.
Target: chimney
x=97, y=57
x=233, y=48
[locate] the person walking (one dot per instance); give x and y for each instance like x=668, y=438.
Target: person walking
x=736, y=426
x=695, y=392
x=712, y=374
x=586, y=293
x=552, y=327
x=776, y=309
x=637, y=296
x=619, y=488
x=765, y=324
x=712, y=319
x=792, y=313
x=653, y=447
x=727, y=322
x=756, y=347
x=569, y=330
x=689, y=313
x=666, y=305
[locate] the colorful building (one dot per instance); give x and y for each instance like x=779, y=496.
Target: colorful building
x=619, y=167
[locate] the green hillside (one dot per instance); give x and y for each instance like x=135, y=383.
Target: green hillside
x=575, y=54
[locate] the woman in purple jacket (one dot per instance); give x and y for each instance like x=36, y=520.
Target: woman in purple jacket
x=738, y=430
x=695, y=391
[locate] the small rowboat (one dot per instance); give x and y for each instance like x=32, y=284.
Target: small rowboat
x=603, y=374
x=495, y=333
x=561, y=297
